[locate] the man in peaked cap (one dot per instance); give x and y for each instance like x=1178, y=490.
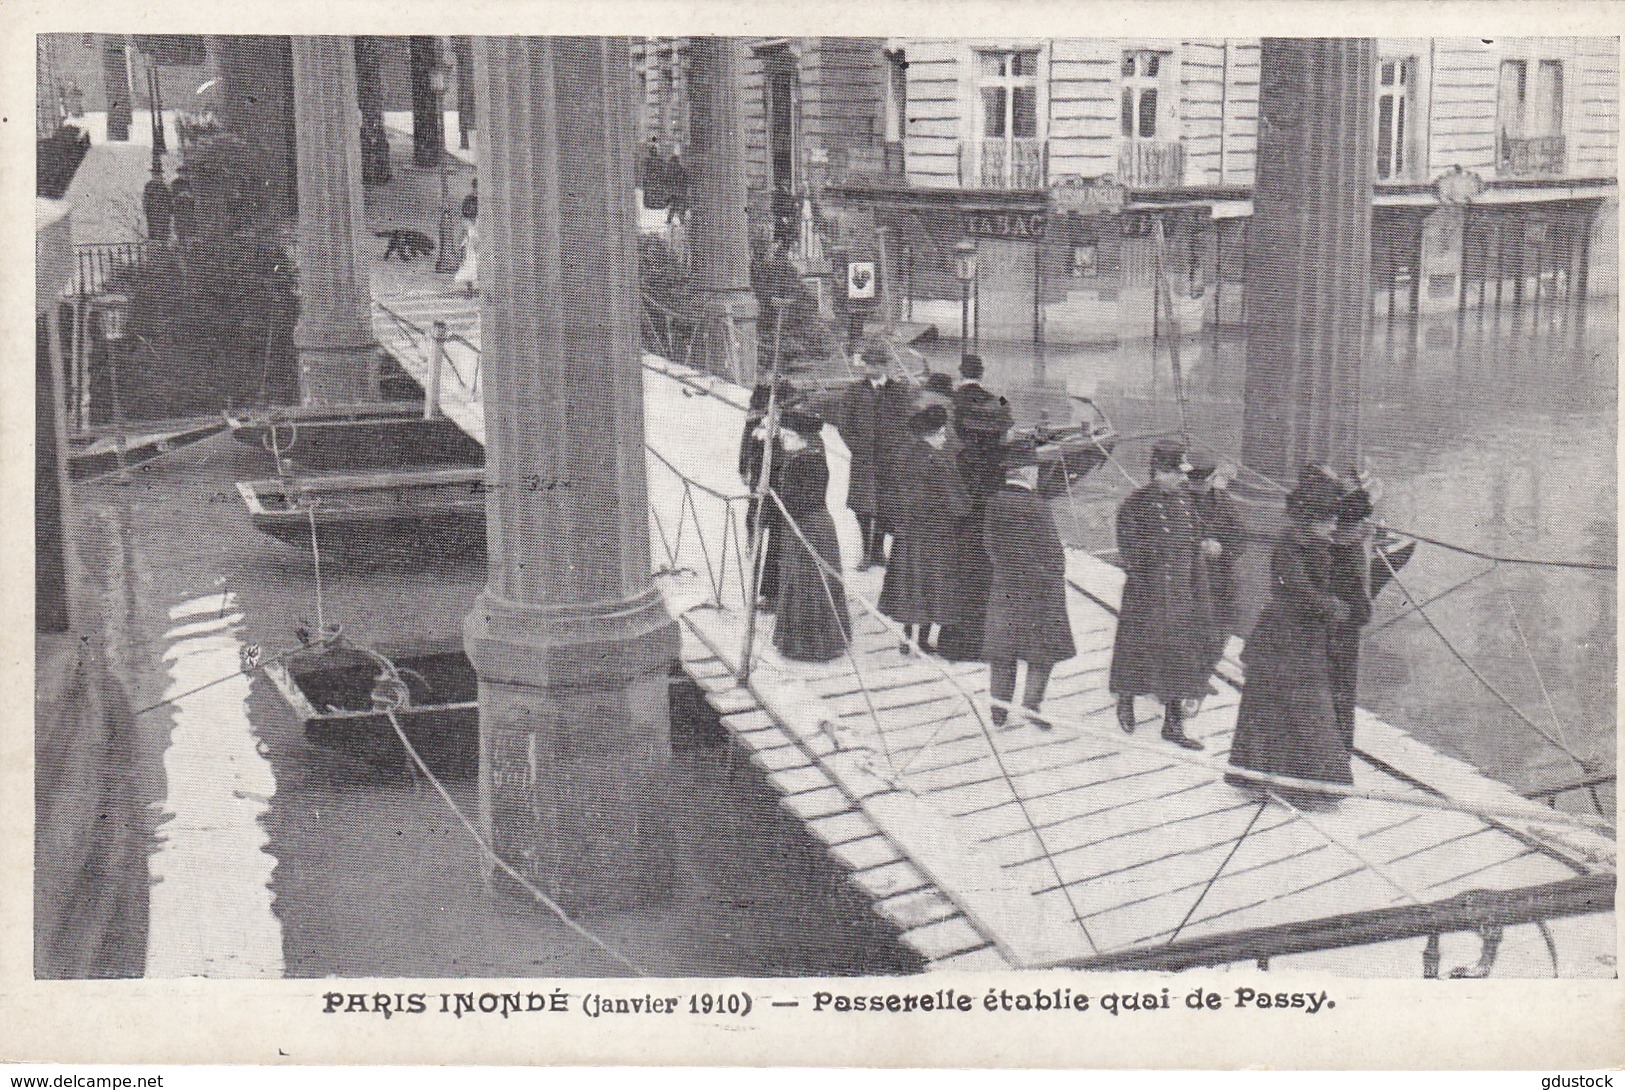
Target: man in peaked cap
x=1026, y=607
x=1164, y=623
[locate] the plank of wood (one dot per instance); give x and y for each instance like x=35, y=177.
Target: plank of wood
x=986, y=959
x=866, y=854
x=916, y=909
x=817, y=804
x=890, y=880
x=840, y=828
x=798, y=781
x=944, y=938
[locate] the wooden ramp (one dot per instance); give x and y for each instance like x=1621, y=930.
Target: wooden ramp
x=1030, y=847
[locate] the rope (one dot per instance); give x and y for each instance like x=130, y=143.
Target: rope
x=391, y=695
x=1234, y=848
x=1479, y=676
x=987, y=735
x=316, y=556
x=1335, y=841
x=1451, y=546
x=258, y=664
x=1541, y=815
x=1532, y=813
x=1540, y=679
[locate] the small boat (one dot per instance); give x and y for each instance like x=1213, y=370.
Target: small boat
x=446, y=506
x=1071, y=445
x=357, y=438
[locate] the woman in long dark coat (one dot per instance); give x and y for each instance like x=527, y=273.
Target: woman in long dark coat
x=1026, y=602
x=921, y=580
x=1286, y=724
x=813, y=624
x=1164, y=624
x=752, y=451
x=981, y=419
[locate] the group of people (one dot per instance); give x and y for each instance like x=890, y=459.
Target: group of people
x=170, y=208
x=1178, y=539
x=664, y=180
x=975, y=569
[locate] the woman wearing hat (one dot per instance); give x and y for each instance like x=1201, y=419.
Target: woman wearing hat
x=1286, y=724
x=813, y=624
x=1026, y=603
x=1165, y=621
x=921, y=586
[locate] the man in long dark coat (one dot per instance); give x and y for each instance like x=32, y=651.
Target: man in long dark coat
x=854, y=409
x=921, y=580
x=982, y=420
x=1026, y=605
x=1222, y=526
x=894, y=407
x=1164, y=624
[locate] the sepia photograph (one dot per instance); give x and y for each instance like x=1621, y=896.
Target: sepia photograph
x=560, y=508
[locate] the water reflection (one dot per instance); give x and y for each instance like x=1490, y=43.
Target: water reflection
x=1497, y=431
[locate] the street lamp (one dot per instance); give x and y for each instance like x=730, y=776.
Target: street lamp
x=445, y=260
x=112, y=312
x=965, y=270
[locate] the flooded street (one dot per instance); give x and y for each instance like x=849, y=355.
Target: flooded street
x=1498, y=435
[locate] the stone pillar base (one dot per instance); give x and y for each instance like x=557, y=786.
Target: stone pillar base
x=343, y=375
x=575, y=748
x=737, y=362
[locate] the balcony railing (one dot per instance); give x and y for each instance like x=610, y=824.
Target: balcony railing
x=1016, y=163
x=1151, y=164
x=1532, y=154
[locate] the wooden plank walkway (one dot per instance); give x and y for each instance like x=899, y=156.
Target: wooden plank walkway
x=1029, y=847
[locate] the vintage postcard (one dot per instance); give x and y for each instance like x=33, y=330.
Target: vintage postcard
x=1010, y=535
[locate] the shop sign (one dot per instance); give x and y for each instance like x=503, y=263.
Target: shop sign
x=1087, y=196
x=860, y=280
x=1017, y=225
x=1458, y=186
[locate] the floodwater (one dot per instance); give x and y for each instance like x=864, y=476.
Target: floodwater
x=1498, y=433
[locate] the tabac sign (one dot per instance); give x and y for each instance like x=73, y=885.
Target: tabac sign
x=1087, y=196
x=1015, y=225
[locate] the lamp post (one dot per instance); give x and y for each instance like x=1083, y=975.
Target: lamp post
x=965, y=270
x=446, y=260
x=112, y=313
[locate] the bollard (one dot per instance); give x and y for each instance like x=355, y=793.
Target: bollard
x=437, y=360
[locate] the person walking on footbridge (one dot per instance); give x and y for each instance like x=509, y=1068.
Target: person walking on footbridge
x=1165, y=623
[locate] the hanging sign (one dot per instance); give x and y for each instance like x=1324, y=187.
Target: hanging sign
x=860, y=280
x=1087, y=196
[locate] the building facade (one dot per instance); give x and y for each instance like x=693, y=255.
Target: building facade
x=1086, y=170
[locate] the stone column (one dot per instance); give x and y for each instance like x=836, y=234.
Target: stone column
x=719, y=237
x=1309, y=254
x=570, y=638
x=375, y=165
x=338, y=358
x=428, y=122
x=462, y=49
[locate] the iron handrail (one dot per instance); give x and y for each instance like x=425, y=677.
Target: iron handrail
x=1474, y=910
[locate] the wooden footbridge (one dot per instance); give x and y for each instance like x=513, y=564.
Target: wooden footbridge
x=1077, y=845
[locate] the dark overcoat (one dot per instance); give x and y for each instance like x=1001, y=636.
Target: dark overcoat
x=1164, y=627
x=921, y=585
x=812, y=623
x=1351, y=581
x=1286, y=724
x=854, y=411
x=752, y=451
x=894, y=405
x=1026, y=602
x=1219, y=521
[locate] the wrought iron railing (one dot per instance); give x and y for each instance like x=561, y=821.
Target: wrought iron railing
x=1532, y=154
x=1000, y=163
x=1151, y=164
